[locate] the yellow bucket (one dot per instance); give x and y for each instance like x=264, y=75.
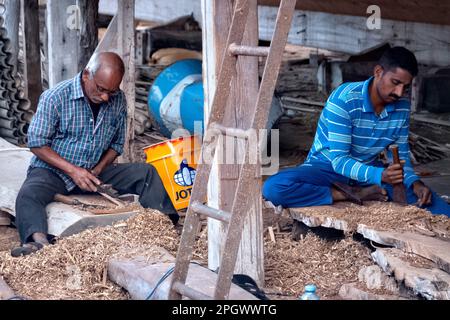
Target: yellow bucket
x=176, y=163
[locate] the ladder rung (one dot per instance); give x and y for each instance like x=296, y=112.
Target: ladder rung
x=224, y=216
x=242, y=50
x=234, y=132
x=189, y=292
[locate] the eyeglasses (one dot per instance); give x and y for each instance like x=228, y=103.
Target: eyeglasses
x=102, y=90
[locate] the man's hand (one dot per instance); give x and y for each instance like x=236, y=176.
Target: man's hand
x=393, y=174
x=422, y=192
x=84, y=179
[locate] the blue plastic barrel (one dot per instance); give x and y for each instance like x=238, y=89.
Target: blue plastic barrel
x=176, y=97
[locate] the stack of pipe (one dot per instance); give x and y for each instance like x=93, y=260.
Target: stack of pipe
x=15, y=112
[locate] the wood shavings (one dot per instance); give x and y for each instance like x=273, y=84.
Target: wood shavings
x=74, y=268
x=291, y=265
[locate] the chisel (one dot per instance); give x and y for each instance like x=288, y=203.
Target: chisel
x=399, y=191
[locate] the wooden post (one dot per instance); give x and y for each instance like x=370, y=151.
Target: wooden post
x=32, y=51
x=88, y=31
x=126, y=46
x=66, y=21
x=241, y=107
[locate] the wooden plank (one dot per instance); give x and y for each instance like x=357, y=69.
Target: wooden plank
x=109, y=40
x=5, y=291
x=88, y=31
x=65, y=49
x=317, y=217
x=157, y=11
x=430, y=43
x=428, y=281
x=32, y=51
x=432, y=11
x=62, y=42
x=373, y=277
x=126, y=45
x=9, y=238
x=140, y=274
x=350, y=291
x=431, y=248
x=238, y=114
x=330, y=31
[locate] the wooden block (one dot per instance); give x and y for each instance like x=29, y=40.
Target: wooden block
x=271, y=234
x=350, y=291
x=375, y=278
x=140, y=274
x=317, y=216
x=428, y=281
x=431, y=248
x=5, y=291
x=5, y=219
x=9, y=238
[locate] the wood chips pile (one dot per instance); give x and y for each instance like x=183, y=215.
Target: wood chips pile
x=290, y=265
x=75, y=267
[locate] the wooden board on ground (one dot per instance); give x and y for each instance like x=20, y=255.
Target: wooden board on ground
x=321, y=216
x=5, y=291
x=351, y=291
x=64, y=220
x=387, y=216
x=140, y=274
x=416, y=273
x=9, y=238
x=434, y=249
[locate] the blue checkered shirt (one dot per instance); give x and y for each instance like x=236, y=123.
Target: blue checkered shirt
x=64, y=122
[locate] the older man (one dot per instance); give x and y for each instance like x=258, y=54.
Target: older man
x=359, y=121
x=76, y=134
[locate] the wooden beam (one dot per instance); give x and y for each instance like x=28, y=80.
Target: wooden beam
x=109, y=40
x=430, y=43
x=216, y=18
x=88, y=31
x=431, y=11
x=126, y=46
x=66, y=21
x=32, y=51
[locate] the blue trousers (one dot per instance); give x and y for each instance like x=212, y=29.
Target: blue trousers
x=310, y=185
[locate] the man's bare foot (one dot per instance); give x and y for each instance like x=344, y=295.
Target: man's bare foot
x=373, y=193
x=342, y=192
x=40, y=238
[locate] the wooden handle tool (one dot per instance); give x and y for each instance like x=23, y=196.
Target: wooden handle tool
x=399, y=191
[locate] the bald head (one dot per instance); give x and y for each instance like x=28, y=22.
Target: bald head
x=108, y=62
x=102, y=77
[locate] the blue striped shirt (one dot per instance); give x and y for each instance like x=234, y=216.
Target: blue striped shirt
x=351, y=136
x=64, y=122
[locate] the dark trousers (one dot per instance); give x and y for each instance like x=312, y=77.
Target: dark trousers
x=41, y=185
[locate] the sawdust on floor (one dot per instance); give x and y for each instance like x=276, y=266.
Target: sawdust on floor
x=75, y=267
x=290, y=265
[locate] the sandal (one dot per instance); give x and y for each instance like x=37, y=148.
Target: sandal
x=26, y=249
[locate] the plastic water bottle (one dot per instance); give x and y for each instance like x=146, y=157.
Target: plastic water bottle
x=310, y=293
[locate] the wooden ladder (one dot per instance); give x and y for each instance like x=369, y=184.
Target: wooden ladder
x=247, y=171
